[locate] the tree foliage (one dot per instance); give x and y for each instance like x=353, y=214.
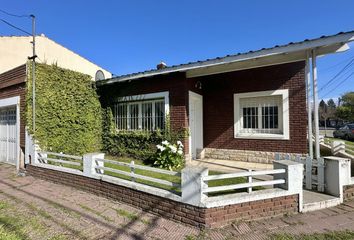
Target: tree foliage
x=346, y=109
x=68, y=112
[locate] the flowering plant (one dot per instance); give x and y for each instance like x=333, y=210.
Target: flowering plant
x=168, y=155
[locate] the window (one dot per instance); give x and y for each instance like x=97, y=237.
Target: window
x=262, y=115
x=141, y=112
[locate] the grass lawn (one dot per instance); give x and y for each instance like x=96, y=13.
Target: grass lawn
x=335, y=235
x=19, y=225
x=174, y=179
x=349, y=144
x=170, y=178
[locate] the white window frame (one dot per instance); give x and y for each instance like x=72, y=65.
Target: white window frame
x=285, y=115
x=141, y=98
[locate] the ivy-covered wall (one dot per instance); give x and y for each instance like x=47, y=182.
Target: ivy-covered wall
x=68, y=111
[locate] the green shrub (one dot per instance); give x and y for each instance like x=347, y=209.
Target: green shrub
x=137, y=144
x=68, y=112
x=168, y=155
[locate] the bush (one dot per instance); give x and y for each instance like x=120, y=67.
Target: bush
x=169, y=156
x=68, y=111
x=136, y=144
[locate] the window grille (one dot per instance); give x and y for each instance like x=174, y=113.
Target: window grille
x=147, y=115
x=261, y=114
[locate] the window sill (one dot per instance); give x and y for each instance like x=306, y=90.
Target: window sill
x=261, y=136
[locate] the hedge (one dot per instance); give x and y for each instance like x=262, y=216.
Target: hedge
x=68, y=111
x=136, y=144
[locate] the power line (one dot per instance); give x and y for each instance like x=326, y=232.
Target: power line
x=11, y=25
x=14, y=15
x=339, y=73
x=337, y=64
x=340, y=83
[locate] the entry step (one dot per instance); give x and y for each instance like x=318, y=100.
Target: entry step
x=313, y=201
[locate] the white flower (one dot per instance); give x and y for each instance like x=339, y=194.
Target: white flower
x=179, y=143
x=161, y=148
x=165, y=142
x=180, y=152
x=173, y=149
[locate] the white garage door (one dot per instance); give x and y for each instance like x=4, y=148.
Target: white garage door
x=8, y=135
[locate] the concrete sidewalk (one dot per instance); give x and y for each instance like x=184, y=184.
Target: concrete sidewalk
x=47, y=210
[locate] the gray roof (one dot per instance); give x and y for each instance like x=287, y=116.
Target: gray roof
x=305, y=44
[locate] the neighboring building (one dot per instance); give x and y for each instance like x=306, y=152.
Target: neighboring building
x=14, y=53
x=243, y=107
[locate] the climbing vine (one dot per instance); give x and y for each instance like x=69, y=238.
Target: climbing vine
x=68, y=111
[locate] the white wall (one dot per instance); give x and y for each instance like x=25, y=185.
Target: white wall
x=15, y=50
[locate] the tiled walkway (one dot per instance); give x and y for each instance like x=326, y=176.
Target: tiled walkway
x=55, y=210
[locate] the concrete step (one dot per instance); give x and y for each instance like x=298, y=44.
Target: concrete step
x=313, y=201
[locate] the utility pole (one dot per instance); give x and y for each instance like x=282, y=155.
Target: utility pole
x=33, y=58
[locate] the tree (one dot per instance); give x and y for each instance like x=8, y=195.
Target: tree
x=346, y=109
x=322, y=110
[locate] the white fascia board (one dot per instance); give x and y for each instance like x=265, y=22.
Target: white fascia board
x=340, y=39
x=9, y=101
x=142, y=97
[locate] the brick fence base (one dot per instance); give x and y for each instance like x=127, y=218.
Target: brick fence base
x=177, y=211
x=348, y=192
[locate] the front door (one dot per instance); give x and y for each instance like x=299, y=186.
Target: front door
x=195, y=123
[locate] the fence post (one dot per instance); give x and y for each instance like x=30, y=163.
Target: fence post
x=320, y=175
x=132, y=170
x=249, y=190
x=193, y=185
x=90, y=162
x=308, y=173
x=337, y=174
x=293, y=176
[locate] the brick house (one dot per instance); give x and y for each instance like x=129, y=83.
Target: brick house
x=244, y=107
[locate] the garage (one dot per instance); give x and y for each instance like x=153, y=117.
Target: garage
x=9, y=137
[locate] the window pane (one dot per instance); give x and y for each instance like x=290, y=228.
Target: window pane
x=250, y=117
x=270, y=117
x=159, y=114
x=147, y=116
x=134, y=116
x=121, y=116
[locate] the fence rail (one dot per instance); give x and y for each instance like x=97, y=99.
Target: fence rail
x=61, y=159
x=101, y=168
x=250, y=180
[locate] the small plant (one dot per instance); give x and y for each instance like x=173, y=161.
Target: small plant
x=169, y=156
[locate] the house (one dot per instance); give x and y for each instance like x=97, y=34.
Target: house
x=14, y=53
x=244, y=107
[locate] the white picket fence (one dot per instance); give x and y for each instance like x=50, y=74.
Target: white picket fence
x=249, y=185
x=60, y=159
x=313, y=172
x=102, y=169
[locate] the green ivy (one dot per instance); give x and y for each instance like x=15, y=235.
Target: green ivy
x=68, y=111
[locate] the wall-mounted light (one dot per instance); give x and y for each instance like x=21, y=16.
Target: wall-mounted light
x=198, y=85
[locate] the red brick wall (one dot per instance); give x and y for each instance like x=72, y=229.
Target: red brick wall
x=12, y=84
x=174, y=83
x=218, y=112
x=218, y=103
x=191, y=215
x=348, y=192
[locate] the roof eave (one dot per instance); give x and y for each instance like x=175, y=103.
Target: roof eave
x=325, y=46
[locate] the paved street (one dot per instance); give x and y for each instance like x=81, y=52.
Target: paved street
x=37, y=209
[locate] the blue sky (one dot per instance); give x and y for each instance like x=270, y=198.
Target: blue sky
x=130, y=36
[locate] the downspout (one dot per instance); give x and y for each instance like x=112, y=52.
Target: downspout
x=315, y=103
